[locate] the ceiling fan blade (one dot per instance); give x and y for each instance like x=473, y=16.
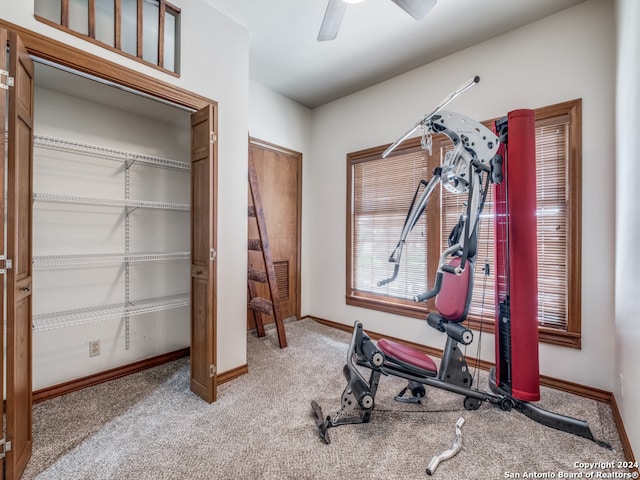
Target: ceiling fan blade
x=416, y=8
x=332, y=20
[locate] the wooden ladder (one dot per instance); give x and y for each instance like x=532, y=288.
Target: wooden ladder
x=261, y=306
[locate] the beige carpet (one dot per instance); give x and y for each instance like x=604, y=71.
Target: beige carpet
x=150, y=426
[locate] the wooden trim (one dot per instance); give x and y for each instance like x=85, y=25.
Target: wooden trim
x=399, y=307
x=560, y=338
x=624, y=439
x=91, y=21
x=172, y=7
x=273, y=146
x=161, y=14
x=117, y=25
x=106, y=46
x=66, y=55
x=233, y=374
x=349, y=227
x=545, y=334
x=139, y=38
x=552, y=336
x=298, y=156
x=108, y=375
x=4, y=39
x=64, y=13
x=78, y=384
x=574, y=247
x=576, y=389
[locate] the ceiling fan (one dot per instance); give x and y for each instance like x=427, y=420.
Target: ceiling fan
x=336, y=9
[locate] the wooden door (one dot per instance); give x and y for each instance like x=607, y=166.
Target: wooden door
x=18, y=275
x=203, y=252
x=3, y=119
x=279, y=173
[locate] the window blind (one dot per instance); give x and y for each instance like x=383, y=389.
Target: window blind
x=551, y=212
x=452, y=206
x=552, y=198
x=382, y=194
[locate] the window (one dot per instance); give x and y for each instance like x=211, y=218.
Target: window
x=146, y=30
x=380, y=192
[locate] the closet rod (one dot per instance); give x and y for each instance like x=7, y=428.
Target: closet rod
x=110, y=83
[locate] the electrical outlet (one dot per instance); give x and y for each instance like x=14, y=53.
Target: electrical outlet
x=94, y=348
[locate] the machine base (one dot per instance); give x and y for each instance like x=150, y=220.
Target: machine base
x=358, y=397
x=547, y=418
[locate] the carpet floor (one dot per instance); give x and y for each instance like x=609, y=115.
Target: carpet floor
x=149, y=425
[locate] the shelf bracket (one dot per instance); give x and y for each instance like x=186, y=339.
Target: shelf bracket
x=8, y=264
x=9, y=83
x=4, y=447
x=127, y=333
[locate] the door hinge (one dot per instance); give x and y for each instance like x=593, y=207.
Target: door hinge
x=10, y=82
x=212, y=370
x=8, y=264
x=214, y=137
x=212, y=254
x=4, y=447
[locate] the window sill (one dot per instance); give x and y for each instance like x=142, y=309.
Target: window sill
x=552, y=336
x=397, y=307
x=548, y=335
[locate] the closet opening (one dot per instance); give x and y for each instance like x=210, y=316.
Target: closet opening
x=111, y=226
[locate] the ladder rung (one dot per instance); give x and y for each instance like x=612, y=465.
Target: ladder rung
x=257, y=275
x=261, y=305
x=255, y=244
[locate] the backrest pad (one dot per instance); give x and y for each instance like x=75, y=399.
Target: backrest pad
x=452, y=302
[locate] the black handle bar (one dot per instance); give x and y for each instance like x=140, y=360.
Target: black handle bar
x=396, y=268
x=434, y=291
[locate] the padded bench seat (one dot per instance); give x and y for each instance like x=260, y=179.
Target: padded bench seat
x=408, y=355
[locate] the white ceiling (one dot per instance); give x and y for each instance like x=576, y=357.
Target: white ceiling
x=377, y=40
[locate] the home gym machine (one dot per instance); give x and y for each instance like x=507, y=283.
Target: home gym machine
x=503, y=157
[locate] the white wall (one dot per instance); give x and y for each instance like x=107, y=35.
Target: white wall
x=627, y=309
x=215, y=64
x=279, y=120
x=565, y=56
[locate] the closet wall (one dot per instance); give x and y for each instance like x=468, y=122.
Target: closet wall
x=89, y=255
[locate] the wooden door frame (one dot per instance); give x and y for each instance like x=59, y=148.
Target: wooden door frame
x=4, y=101
x=19, y=222
x=203, y=370
x=51, y=50
x=66, y=55
x=276, y=148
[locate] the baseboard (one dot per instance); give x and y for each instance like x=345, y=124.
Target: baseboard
x=73, y=385
x=626, y=445
x=564, y=385
x=232, y=374
x=118, y=372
